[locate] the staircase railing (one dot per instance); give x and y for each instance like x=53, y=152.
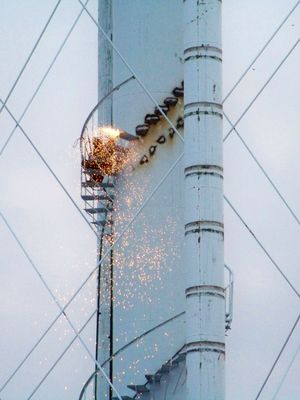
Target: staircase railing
x=123, y=348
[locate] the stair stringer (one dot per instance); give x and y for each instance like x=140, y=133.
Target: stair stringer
x=168, y=383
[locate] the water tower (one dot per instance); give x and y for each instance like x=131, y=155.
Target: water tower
x=161, y=291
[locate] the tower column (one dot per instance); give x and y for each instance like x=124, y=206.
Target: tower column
x=204, y=229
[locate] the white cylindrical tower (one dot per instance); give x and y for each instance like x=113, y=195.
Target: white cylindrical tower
x=204, y=230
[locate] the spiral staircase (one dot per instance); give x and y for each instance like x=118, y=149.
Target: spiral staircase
x=168, y=381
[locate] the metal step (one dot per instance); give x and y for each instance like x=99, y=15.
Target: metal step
x=97, y=197
x=165, y=368
x=97, y=184
x=142, y=130
x=180, y=357
x=103, y=222
x=171, y=101
x=180, y=123
x=178, y=92
x=153, y=378
x=138, y=388
x=123, y=398
x=151, y=119
x=93, y=171
x=164, y=108
x=98, y=210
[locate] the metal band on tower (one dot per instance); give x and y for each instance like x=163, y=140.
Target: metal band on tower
x=204, y=229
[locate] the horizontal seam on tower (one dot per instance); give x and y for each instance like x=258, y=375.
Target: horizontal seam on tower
x=216, y=174
x=204, y=104
x=203, y=56
x=203, y=47
x=205, y=222
x=198, y=112
x=203, y=166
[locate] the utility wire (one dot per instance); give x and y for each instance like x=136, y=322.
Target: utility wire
x=60, y=357
x=61, y=308
x=261, y=51
x=286, y=373
x=42, y=81
x=132, y=71
x=30, y=55
x=245, y=111
x=278, y=357
x=49, y=168
x=264, y=172
x=90, y=275
x=123, y=348
x=261, y=90
x=262, y=247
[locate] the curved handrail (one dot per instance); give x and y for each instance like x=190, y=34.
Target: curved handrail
x=99, y=104
x=96, y=372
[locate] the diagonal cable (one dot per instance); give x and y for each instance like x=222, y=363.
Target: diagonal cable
x=60, y=357
x=245, y=111
x=61, y=308
x=261, y=51
x=262, y=247
x=30, y=55
x=258, y=163
x=286, y=373
x=90, y=274
x=278, y=357
x=146, y=90
x=262, y=89
x=49, y=168
x=175, y=129
x=43, y=79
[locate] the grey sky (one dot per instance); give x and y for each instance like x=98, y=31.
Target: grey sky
x=63, y=246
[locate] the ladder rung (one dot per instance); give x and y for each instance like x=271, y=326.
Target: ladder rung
x=96, y=197
x=102, y=223
x=97, y=210
x=97, y=184
x=139, y=388
x=93, y=172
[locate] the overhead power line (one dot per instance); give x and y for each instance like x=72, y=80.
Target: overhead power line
x=261, y=51
x=255, y=159
x=286, y=372
x=262, y=247
x=261, y=90
x=42, y=80
x=30, y=55
x=60, y=357
x=44, y=334
x=150, y=95
x=61, y=308
x=278, y=357
x=49, y=168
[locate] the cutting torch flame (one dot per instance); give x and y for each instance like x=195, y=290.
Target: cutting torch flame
x=107, y=132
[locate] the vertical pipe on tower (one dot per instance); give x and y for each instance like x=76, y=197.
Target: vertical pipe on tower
x=204, y=229
x=105, y=117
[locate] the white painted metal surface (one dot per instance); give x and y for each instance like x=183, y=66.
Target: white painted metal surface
x=149, y=272
x=148, y=269
x=204, y=231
